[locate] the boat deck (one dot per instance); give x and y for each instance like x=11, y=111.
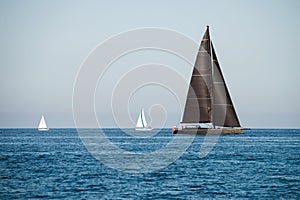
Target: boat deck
x=208, y=131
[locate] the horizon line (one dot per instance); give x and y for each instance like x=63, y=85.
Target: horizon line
x=134, y=128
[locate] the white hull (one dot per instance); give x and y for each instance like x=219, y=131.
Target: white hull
x=143, y=129
x=43, y=129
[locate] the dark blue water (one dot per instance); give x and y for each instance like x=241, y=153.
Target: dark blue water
x=261, y=164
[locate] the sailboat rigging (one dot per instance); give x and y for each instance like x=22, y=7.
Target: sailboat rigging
x=208, y=107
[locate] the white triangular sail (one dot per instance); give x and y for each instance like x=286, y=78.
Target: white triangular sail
x=141, y=123
x=42, y=125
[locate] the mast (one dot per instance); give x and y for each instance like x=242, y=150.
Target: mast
x=212, y=85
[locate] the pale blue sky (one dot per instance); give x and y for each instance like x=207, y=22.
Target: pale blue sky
x=43, y=44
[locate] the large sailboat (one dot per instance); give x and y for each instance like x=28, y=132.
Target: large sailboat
x=42, y=125
x=141, y=124
x=208, y=108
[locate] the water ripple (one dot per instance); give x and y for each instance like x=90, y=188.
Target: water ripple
x=261, y=164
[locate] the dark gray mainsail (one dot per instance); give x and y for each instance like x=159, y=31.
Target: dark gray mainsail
x=198, y=102
x=208, y=99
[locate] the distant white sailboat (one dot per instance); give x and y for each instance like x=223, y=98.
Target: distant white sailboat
x=141, y=124
x=43, y=125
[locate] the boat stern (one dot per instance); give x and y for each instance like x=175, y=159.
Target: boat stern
x=174, y=130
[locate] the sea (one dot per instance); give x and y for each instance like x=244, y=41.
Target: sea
x=58, y=164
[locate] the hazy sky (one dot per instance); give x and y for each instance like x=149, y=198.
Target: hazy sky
x=44, y=43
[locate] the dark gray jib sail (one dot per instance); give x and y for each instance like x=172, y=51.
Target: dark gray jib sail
x=208, y=99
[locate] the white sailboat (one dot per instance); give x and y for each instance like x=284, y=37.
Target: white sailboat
x=42, y=125
x=141, y=124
